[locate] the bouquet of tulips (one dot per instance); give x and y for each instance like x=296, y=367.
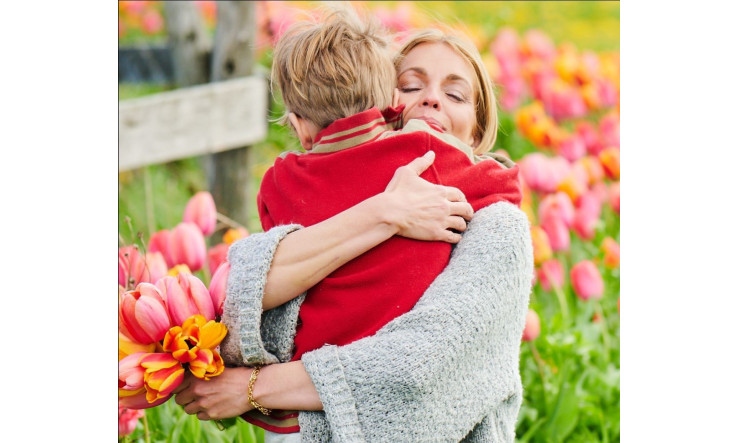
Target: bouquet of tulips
x=168, y=319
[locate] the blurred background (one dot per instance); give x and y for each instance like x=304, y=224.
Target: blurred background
x=556, y=66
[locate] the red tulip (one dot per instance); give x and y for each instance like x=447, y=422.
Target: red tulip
x=142, y=314
x=556, y=205
x=159, y=242
x=185, y=296
x=551, y=274
x=612, y=252
x=594, y=170
x=586, y=280
x=152, y=22
x=218, y=285
x=532, y=326
x=131, y=373
x=575, y=182
x=187, y=246
x=558, y=233
x=200, y=210
x=610, y=129
x=216, y=256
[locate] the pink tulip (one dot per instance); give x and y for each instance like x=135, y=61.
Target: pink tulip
x=543, y=174
x=591, y=137
x=152, y=22
x=586, y=280
x=187, y=246
x=589, y=208
x=142, y=314
x=135, y=268
x=556, y=205
x=127, y=420
x=131, y=373
x=571, y=147
x=558, y=233
x=200, y=210
x=139, y=401
x=159, y=242
x=551, y=274
x=610, y=129
x=614, y=197
x=216, y=256
x=532, y=326
x=218, y=285
x=185, y=296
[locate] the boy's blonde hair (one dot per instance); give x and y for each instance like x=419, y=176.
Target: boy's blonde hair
x=333, y=68
x=485, y=103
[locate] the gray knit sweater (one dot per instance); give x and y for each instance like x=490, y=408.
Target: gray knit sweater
x=445, y=371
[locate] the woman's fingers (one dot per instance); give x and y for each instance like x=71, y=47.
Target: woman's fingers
x=420, y=164
x=457, y=223
x=461, y=209
x=454, y=194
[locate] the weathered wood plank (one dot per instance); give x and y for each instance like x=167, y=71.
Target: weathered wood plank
x=192, y=121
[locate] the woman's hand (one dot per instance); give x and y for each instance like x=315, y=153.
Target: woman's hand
x=422, y=210
x=220, y=397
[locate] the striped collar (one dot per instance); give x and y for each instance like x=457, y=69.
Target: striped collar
x=357, y=129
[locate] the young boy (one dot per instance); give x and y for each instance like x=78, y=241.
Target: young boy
x=334, y=77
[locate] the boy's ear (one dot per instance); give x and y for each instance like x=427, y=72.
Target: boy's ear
x=303, y=130
x=395, y=98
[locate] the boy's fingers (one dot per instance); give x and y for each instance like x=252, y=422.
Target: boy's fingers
x=420, y=164
x=462, y=209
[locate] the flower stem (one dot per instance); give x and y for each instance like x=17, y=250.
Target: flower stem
x=147, y=437
x=149, y=199
x=540, y=363
x=605, y=336
x=562, y=302
x=227, y=221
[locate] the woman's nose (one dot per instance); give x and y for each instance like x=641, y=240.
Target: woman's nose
x=431, y=99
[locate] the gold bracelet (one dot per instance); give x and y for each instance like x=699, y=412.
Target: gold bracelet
x=253, y=402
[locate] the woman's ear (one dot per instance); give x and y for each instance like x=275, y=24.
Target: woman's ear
x=303, y=130
x=395, y=98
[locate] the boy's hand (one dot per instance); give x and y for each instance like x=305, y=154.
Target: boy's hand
x=422, y=210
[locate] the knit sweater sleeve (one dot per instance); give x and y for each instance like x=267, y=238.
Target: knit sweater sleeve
x=446, y=369
x=254, y=336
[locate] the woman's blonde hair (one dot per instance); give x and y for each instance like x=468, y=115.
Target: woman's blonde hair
x=485, y=130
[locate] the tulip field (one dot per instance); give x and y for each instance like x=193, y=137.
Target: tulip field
x=556, y=66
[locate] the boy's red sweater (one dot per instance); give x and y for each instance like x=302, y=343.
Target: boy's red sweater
x=366, y=293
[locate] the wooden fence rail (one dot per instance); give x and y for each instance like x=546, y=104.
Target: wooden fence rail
x=192, y=121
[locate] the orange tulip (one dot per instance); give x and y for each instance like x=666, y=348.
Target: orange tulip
x=612, y=252
x=541, y=246
x=127, y=347
x=610, y=159
x=207, y=364
x=163, y=373
x=231, y=235
x=196, y=333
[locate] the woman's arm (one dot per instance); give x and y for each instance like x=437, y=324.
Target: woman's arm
x=410, y=207
x=424, y=367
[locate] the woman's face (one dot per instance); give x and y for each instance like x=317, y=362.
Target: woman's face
x=437, y=85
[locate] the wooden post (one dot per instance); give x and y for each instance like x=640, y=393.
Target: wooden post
x=189, y=42
x=229, y=172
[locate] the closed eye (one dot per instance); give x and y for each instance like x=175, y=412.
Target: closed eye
x=406, y=90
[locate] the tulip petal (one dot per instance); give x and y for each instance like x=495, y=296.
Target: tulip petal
x=211, y=334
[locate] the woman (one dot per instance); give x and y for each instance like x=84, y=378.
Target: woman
x=446, y=370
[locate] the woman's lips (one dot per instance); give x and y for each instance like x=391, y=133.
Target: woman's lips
x=431, y=121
